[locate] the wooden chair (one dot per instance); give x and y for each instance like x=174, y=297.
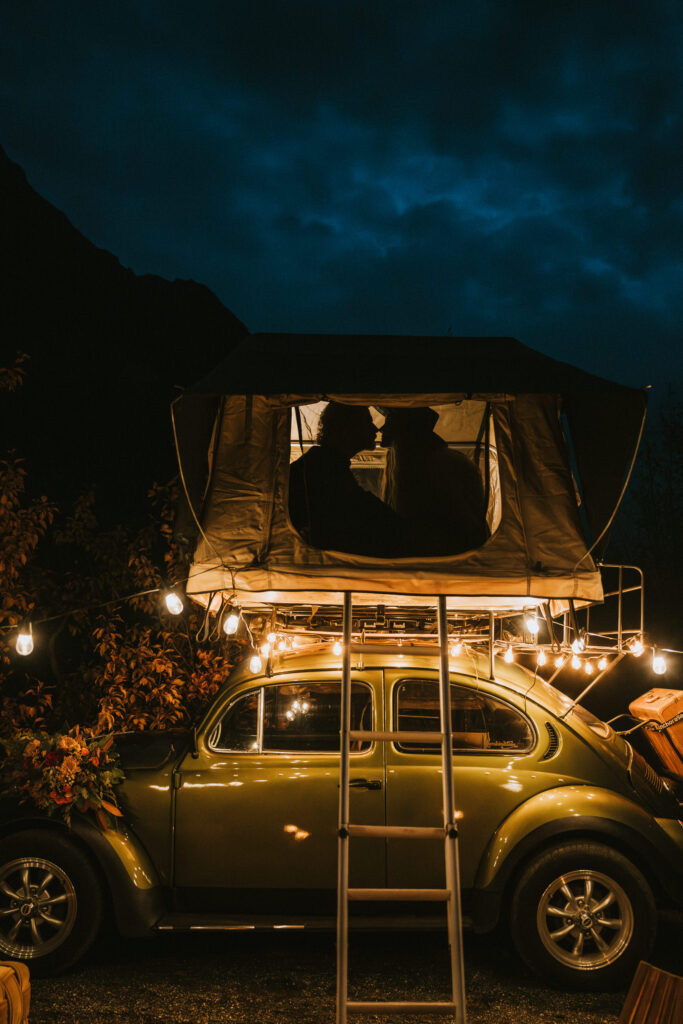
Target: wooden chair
x=655, y=997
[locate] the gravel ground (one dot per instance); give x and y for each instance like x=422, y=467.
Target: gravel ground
x=289, y=978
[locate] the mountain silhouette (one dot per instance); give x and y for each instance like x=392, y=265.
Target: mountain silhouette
x=107, y=350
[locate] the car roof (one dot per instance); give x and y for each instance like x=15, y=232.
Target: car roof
x=470, y=664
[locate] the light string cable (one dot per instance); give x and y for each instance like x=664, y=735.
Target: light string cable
x=98, y=604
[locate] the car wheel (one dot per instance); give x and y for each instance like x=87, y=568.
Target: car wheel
x=50, y=901
x=582, y=916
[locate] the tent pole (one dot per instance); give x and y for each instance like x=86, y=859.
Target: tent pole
x=492, y=632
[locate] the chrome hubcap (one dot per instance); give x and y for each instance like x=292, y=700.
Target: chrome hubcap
x=585, y=920
x=37, y=907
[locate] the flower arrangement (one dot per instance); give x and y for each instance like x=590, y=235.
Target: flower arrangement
x=61, y=773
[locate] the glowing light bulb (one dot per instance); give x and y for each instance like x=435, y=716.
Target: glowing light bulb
x=174, y=603
x=509, y=655
x=576, y=661
x=231, y=623
x=531, y=623
x=272, y=637
x=578, y=644
x=560, y=660
x=636, y=647
x=456, y=649
x=658, y=664
x=295, y=643
x=25, y=640
x=265, y=650
x=336, y=647
x=602, y=664
x=255, y=663
x=588, y=668
x=282, y=645
x=541, y=659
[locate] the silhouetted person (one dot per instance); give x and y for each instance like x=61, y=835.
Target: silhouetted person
x=326, y=505
x=438, y=491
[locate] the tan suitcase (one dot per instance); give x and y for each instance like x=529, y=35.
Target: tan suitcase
x=666, y=708
x=15, y=992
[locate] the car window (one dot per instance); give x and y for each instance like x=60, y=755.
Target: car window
x=479, y=722
x=306, y=716
x=238, y=728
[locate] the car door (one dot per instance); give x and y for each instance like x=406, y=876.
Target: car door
x=495, y=769
x=256, y=810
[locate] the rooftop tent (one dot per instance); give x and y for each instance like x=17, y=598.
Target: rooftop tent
x=560, y=445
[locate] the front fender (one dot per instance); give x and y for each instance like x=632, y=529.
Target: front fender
x=131, y=877
x=122, y=860
x=582, y=809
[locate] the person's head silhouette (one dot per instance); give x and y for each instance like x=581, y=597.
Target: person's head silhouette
x=347, y=429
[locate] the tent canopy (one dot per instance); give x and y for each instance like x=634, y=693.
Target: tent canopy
x=550, y=420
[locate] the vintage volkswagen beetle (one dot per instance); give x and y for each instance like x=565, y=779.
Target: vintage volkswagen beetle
x=568, y=837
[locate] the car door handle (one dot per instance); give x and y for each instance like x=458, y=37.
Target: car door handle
x=365, y=784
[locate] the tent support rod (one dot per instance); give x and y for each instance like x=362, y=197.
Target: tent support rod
x=492, y=639
x=549, y=623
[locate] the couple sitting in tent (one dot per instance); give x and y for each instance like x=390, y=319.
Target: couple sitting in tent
x=434, y=497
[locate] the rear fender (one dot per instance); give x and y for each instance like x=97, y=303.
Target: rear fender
x=589, y=810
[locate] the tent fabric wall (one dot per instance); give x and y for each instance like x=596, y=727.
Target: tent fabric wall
x=250, y=547
x=247, y=545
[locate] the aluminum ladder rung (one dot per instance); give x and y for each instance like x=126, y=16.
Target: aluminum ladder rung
x=397, y=831
x=386, y=1007
x=431, y=895
x=403, y=736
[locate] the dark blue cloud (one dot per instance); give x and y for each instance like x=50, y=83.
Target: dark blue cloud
x=487, y=168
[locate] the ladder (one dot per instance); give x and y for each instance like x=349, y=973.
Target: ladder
x=448, y=834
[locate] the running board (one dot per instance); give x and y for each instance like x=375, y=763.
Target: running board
x=179, y=922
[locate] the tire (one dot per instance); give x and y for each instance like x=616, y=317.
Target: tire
x=50, y=901
x=582, y=916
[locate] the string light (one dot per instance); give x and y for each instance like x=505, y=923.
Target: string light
x=456, y=648
x=509, y=655
x=531, y=623
x=602, y=664
x=272, y=637
x=658, y=663
x=174, y=603
x=336, y=647
x=636, y=646
x=588, y=668
x=255, y=663
x=560, y=660
x=578, y=644
x=541, y=659
x=282, y=645
x=265, y=650
x=25, y=639
x=231, y=624
x=576, y=661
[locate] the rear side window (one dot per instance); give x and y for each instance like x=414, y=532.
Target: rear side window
x=306, y=716
x=479, y=722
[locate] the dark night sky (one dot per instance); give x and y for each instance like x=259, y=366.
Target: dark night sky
x=500, y=168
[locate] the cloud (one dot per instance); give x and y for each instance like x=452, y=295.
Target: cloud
x=391, y=167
